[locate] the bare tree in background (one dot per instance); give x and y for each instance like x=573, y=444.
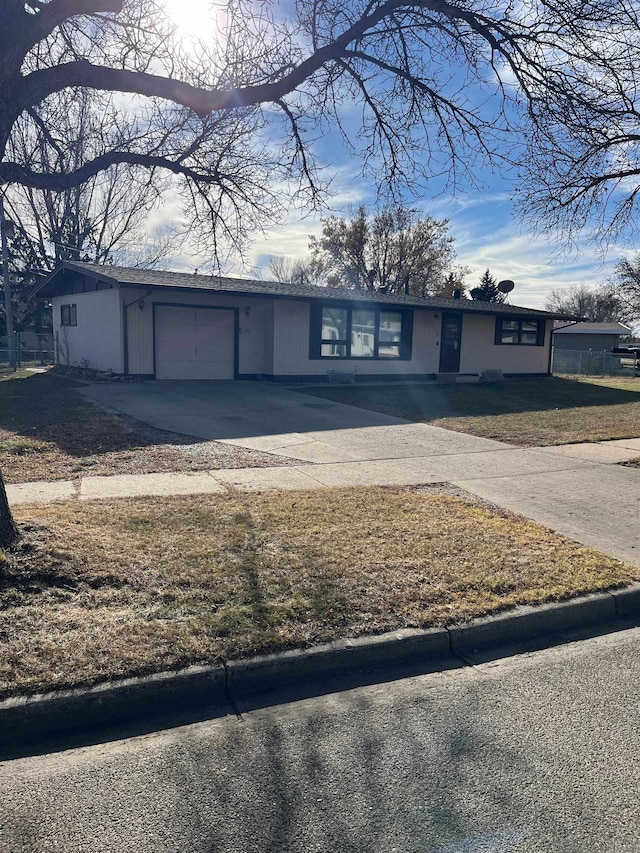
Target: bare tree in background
x=299, y=271
x=232, y=121
x=103, y=220
x=582, y=166
x=625, y=287
x=385, y=251
x=598, y=305
x=99, y=220
x=454, y=285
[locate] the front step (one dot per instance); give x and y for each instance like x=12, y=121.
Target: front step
x=457, y=378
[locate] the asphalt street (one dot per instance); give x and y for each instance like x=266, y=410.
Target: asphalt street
x=533, y=752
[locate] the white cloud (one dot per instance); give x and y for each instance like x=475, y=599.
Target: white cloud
x=533, y=265
x=485, y=231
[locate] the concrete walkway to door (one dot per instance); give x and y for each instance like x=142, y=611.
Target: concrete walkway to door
x=578, y=490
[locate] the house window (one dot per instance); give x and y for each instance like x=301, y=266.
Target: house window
x=334, y=343
x=356, y=332
x=517, y=331
x=363, y=333
x=68, y=315
x=390, y=339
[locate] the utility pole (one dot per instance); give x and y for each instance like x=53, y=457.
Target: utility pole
x=6, y=227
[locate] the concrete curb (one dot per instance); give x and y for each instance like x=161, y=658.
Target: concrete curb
x=60, y=713
x=280, y=670
x=525, y=621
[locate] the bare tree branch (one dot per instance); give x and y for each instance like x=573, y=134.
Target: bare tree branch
x=562, y=75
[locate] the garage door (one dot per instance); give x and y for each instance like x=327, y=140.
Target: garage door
x=194, y=343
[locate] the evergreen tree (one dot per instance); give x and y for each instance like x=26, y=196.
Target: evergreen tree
x=488, y=289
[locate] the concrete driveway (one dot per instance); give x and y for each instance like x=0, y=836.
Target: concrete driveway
x=579, y=490
x=273, y=419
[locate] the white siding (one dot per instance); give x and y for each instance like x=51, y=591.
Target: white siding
x=480, y=352
x=273, y=337
x=291, y=346
x=268, y=331
x=291, y=338
x=96, y=341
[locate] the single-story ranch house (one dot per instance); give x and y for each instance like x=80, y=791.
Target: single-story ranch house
x=167, y=325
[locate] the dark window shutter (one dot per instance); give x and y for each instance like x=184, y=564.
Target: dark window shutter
x=498, y=337
x=541, y=329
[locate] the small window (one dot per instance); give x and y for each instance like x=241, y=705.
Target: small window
x=390, y=334
x=68, y=315
x=512, y=331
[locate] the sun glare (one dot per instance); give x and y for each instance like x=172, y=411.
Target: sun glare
x=195, y=19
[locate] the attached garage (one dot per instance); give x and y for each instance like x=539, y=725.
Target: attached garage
x=194, y=342
x=154, y=324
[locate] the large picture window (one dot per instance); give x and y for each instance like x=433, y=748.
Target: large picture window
x=68, y=315
x=518, y=331
x=356, y=332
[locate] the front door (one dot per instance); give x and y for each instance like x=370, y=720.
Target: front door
x=450, y=343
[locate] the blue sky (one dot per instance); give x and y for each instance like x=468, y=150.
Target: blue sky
x=486, y=231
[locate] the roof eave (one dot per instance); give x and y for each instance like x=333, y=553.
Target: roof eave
x=325, y=294
x=40, y=291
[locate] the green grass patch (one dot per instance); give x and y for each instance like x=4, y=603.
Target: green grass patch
x=108, y=589
x=530, y=412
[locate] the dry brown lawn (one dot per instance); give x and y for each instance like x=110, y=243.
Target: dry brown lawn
x=528, y=412
x=107, y=589
x=49, y=432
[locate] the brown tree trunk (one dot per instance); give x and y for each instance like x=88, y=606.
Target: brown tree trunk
x=9, y=532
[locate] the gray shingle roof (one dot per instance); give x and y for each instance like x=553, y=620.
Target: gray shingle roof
x=594, y=329
x=223, y=284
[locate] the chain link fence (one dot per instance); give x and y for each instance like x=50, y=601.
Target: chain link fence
x=30, y=348
x=578, y=363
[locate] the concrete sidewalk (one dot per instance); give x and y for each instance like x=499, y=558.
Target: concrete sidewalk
x=578, y=490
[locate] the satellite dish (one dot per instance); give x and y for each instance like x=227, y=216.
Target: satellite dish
x=506, y=286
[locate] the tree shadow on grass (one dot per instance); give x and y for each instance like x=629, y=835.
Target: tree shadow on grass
x=319, y=598
x=33, y=567
x=47, y=408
